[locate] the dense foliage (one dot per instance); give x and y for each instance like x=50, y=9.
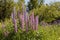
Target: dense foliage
x=6, y=7
x=34, y=4
x=51, y=32
x=48, y=13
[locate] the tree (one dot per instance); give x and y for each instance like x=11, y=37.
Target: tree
x=34, y=4
x=48, y=13
x=55, y=9
x=21, y=5
x=6, y=7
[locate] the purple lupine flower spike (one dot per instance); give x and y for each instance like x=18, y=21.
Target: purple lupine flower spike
x=19, y=16
x=22, y=22
x=33, y=21
x=25, y=17
x=6, y=33
x=27, y=21
x=3, y=26
x=36, y=22
x=30, y=23
x=14, y=21
x=21, y=19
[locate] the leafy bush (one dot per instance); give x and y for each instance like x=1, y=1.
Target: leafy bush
x=49, y=12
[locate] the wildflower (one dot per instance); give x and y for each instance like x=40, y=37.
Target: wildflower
x=14, y=20
x=3, y=26
x=25, y=17
x=36, y=22
x=27, y=22
x=33, y=21
x=19, y=16
x=22, y=21
x=30, y=23
x=6, y=33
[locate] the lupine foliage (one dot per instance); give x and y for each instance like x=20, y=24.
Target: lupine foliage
x=43, y=33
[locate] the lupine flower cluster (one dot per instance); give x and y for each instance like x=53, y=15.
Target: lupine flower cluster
x=28, y=21
x=25, y=20
x=14, y=20
x=36, y=22
x=33, y=21
x=22, y=21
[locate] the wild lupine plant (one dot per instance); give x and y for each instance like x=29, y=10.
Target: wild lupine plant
x=26, y=20
x=33, y=21
x=25, y=17
x=30, y=23
x=14, y=20
x=22, y=21
x=36, y=22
